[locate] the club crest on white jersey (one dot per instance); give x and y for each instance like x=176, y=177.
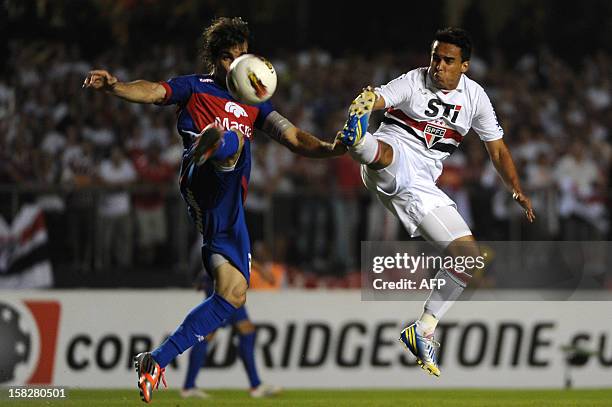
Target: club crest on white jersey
x=433, y=134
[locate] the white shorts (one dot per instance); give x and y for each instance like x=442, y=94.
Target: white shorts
x=408, y=189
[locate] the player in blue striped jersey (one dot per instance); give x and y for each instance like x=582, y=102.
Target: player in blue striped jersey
x=216, y=132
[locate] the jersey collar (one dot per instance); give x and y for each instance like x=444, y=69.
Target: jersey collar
x=429, y=84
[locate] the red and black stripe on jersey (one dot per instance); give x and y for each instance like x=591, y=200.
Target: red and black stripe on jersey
x=398, y=118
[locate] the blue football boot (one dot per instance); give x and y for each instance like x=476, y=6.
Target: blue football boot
x=421, y=347
x=359, y=114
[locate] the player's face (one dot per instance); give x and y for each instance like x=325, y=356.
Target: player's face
x=226, y=58
x=445, y=67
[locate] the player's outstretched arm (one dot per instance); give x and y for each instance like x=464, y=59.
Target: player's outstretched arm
x=502, y=160
x=304, y=143
x=298, y=140
x=139, y=91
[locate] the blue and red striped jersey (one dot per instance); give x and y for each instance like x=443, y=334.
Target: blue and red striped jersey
x=202, y=101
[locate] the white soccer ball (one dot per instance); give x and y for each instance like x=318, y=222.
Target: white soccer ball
x=251, y=79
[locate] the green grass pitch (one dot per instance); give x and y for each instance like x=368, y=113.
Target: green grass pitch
x=335, y=398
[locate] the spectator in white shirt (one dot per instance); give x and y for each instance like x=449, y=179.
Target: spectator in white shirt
x=115, y=232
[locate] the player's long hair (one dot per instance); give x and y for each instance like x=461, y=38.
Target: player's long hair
x=221, y=34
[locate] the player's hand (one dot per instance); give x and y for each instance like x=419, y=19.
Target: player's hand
x=99, y=79
x=526, y=204
x=337, y=146
x=216, y=126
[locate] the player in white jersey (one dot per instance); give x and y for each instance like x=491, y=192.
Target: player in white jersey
x=428, y=112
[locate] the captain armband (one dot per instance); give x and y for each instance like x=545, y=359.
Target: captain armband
x=276, y=125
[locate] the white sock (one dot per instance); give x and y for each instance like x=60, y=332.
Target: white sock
x=442, y=298
x=426, y=325
x=366, y=152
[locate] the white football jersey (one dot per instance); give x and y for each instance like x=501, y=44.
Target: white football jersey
x=432, y=121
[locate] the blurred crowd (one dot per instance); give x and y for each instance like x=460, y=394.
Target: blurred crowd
x=105, y=170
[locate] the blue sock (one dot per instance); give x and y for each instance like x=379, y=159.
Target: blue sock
x=246, y=350
x=228, y=147
x=200, y=321
x=197, y=357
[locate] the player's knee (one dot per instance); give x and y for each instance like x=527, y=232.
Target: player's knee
x=385, y=157
x=230, y=284
x=465, y=246
x=238, y=299
x=245, y=327
x=466, y=252
x=235, y=294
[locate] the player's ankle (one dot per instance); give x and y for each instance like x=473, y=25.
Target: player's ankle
x=367, y=151
x=426, y=325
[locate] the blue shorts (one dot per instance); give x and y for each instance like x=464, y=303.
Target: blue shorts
x=215, y=202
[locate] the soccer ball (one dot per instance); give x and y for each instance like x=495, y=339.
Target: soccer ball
x=251, y=79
